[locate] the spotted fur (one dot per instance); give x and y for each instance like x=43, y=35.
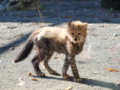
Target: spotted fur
x=69, y=41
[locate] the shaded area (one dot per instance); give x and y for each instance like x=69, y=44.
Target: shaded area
x=100, y=84
x=89, y=82
x=62, y=11
x=7, y=47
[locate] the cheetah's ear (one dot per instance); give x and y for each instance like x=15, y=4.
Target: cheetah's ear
x=68, y=23
x=85, y=26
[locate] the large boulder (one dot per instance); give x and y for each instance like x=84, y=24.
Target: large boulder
x=20, y=5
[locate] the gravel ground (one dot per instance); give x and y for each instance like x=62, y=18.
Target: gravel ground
x=101, y=50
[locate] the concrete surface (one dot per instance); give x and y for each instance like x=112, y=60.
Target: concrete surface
x=101, y=50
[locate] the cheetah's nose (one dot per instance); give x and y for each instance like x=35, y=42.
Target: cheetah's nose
x=75, y=39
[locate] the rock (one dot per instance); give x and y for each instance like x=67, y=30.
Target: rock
x=115, y=35
x=20, y=5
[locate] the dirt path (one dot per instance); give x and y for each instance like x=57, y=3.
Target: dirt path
x=101, y=50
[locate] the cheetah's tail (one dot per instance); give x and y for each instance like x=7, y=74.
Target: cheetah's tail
x=25, y=51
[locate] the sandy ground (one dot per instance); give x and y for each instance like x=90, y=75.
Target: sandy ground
x=101, y=50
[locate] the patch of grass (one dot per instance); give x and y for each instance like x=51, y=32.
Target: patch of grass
x=43, y=8
x=111, y=10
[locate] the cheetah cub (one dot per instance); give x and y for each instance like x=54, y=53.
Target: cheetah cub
x=68, y=40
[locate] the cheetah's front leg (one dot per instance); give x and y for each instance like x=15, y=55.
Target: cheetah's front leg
x=74, y=69
x=65, y=68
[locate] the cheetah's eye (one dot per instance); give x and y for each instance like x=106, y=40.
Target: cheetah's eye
x=72, y=34
x=79, y=33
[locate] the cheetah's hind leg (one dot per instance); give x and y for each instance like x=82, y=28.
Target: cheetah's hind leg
x=35, y=62
x=47, y=67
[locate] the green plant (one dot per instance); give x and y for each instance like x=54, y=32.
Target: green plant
x=43, y=8
x=111, y=10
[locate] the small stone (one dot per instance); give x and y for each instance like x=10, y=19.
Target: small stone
x=115, y=35
x=22, y=82
x=12, y=48
x=118, y=83
x=114, y=38
x=56, y=57
x=104, y=38
x=101, y=26
x=96, y=72
x=68, y=88
x=11, y=14
x=118, y=27
x=29, y=74
x=34, y=79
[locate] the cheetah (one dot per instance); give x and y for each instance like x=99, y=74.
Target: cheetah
x=48, y=40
